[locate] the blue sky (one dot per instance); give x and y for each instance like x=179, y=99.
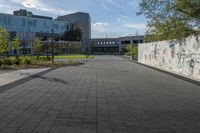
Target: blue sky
x=111, y=18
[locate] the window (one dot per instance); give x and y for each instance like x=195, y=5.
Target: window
x=7, y=20
x=30, y=23
x=135, y=41
x=23, y=22
x=125, y=42
x=55, y=26
x=34, y=23
x=46, y=25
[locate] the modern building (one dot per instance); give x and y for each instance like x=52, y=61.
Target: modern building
x=27, y=27
x=83, y=21
x=114, y=45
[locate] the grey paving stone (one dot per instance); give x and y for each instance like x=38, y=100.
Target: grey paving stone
x=103, y=96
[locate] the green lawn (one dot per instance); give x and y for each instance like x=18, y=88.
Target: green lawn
x=74, y=57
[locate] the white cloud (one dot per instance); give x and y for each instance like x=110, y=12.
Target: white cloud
x=39, y=5
x=100, y=27
x=116, y=3
x=139, y=26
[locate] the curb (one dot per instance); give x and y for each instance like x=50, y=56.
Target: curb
x=23, y=80
x=170, y=73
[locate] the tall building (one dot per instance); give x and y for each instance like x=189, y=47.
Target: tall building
x=83, y=21
x=27, y=28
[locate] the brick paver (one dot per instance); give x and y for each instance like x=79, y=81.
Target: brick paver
x=106, y=95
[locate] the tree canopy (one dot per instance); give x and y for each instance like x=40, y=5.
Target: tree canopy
x=37, y=45
x=4, y=40
x=73, y=35
x=16, y=43
x=171, y=19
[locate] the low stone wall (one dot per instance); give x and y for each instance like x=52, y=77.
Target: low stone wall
x=183, y=58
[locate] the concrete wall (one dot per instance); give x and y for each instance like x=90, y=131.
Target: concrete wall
x=172, y=56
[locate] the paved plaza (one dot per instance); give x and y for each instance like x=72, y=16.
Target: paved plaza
x=105, y=95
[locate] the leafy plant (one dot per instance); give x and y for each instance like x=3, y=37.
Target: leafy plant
x=37, y=46
x=16, y=44
x=171, y=19
x=132, y=50
x=4, y=40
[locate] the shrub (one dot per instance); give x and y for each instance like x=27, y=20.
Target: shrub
x=9, y=61
x=1, y=62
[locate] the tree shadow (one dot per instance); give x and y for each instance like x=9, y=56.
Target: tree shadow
x=46, y=78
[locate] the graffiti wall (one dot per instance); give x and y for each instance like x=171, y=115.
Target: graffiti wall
x=177, y=57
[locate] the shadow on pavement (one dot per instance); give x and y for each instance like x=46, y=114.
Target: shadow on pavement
x=46, y=78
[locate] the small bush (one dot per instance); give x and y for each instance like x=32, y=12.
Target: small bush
x=28, y=60
x=17, y=62
x=22, y=61
x=9, y=61
x=1, y=62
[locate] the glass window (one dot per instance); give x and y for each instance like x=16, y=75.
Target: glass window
x=7, y=20
x=34, y=23
x=23, y=22
x=55, y=26
x=30, y=23
x=45, y=25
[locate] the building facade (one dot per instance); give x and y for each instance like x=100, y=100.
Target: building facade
x=83, y=21
x=27, y=28
x=114, y=45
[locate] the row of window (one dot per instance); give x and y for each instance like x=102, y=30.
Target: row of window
x=122, y=42
x=106, y=42
x=29, y=23
x=129, y=42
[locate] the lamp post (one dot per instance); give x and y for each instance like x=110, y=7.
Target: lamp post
x=24, y=47
x=47, y=50
x=52, y=45
x=47, y=46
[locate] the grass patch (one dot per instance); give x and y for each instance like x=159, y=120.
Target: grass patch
x=74, y=57
x=33, y=62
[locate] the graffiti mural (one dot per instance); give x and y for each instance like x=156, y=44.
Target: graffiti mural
x=177, y=57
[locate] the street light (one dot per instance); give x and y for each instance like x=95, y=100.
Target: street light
x=52, y=45
x=24, y=46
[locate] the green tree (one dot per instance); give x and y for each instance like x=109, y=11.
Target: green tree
x=37, y=46
x=73, y=35
x=16, y=44
x=132, y=50
x=171, y=19
x=4, y=41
